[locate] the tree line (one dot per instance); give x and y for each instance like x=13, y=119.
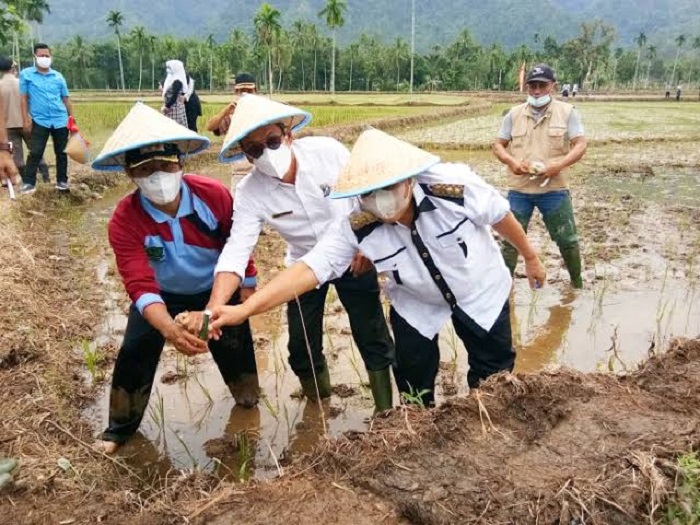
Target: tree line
x=302, y=56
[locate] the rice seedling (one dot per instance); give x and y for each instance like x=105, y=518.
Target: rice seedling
x=204, y=389
x=532, y=309
x=600, y=291
x=245, y=454
x=414, y=397
x=355, y=364
x=454, y=346
x=274, y=412
x=192, y=458
x=92, y=357
x=157, y=412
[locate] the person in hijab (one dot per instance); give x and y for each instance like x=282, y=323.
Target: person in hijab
x=174, y=92
x=193, y=106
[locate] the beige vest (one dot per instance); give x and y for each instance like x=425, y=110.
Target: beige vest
x=9, y=93
x=544, y=141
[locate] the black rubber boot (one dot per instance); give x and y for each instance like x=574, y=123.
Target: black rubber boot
x=245, y=390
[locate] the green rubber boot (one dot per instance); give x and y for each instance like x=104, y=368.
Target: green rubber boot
x=308, y=385
x=572, y=259
x=380, y=384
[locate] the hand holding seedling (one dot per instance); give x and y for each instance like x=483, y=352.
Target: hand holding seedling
x=520, y=168
x=185, y=342
x=535, y=272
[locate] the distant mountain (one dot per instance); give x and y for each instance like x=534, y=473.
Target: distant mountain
x=510, y=22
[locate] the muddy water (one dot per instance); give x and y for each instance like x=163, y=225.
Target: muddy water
x=192, y=421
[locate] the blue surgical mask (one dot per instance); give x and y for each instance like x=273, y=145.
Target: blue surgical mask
x=538, y=102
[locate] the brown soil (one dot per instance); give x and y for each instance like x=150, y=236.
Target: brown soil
x=560, y=447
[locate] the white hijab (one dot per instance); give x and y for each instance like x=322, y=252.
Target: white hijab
x=176, y=71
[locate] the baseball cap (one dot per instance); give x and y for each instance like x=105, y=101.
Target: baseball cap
x=540, y=73
x=136, y=157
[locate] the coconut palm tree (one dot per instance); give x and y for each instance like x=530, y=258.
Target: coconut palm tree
x=81, y=54
x=267, y=28
x=413, y=42
x=651, y=55
x=333, y=15
x=640, y=40
x=400, y=53
x=299, y=43
x=211, y=43
x=140, y=38
x=680, y=42
x=33, y=11
x=152, y=41
x=115, y=19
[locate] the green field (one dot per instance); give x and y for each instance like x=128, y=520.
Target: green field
x=98, y=119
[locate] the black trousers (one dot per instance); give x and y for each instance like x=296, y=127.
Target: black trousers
x=360, y=297
x=418, y=358
x=37, y=145
x=140, y=352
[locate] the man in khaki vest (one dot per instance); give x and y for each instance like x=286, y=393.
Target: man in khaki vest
x=538, y=141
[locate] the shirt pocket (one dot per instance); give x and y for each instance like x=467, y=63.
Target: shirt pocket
x=155, y=250
x=395, y=264
x=454, y=239
x=557, y=139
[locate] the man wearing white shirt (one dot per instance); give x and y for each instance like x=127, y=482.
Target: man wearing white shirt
x=427, y=226
x=288, y=189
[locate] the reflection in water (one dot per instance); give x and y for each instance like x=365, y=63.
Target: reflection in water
x=536, y=345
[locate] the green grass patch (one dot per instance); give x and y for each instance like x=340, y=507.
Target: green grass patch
x=684, y=507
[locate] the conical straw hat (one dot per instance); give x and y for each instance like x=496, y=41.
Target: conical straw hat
x=144, y=126
x=379, y=160
x=253, y=112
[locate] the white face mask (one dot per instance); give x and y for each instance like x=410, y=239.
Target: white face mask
x=275, y=162
x=538, y=102
x=43, y=62
x=388, y=204
x=160, y=187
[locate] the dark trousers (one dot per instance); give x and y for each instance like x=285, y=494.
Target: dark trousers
x=418, y=358
x=18, y=139
x=37, y=145
x=360, y=297
x=139, y=354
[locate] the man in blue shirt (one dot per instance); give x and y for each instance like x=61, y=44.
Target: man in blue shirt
x=45, y=110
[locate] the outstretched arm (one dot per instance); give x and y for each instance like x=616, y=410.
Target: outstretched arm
x=293, y=282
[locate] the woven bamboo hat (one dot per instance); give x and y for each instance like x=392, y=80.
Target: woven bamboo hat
x=142, y=127
x=379, y=160
x=253, y=112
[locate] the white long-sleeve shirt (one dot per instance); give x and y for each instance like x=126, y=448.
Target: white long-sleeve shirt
x=447, y=260
x=300, y=212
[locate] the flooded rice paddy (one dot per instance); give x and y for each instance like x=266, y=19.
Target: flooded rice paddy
x=639, y=241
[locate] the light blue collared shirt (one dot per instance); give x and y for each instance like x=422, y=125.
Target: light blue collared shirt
x=46, y=92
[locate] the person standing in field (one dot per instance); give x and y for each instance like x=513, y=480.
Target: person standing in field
x=574, y=90
x=193, y=106
x=244, y=85
x=166, y=237
x=668, y=90
x=288, y=189
x=46, y=108
x=14, y=123
x=8, y=170
x=428, y=227
x=538, y=141
x=565, y=90
x=679, y=92
x=174, y=92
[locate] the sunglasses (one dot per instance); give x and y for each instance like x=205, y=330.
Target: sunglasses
x=256, y=149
